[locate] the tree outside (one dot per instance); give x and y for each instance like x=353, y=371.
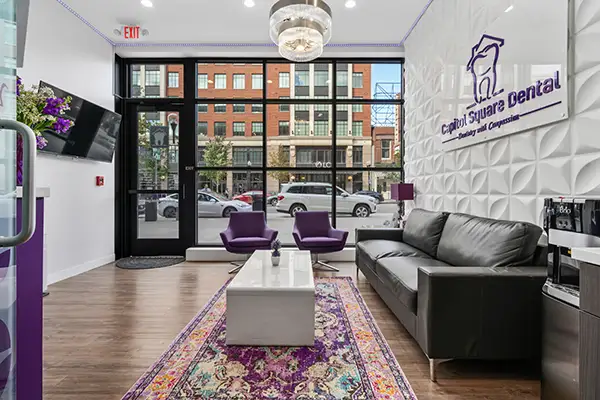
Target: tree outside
x=217, y=153
x=153, y=162
x=279, y=159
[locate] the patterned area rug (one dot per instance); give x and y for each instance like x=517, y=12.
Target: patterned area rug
x=350, y=359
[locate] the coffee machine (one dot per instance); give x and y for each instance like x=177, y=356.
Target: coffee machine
x=568, y=222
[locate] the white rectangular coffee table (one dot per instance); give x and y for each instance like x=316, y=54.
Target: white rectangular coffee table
x=272, y=306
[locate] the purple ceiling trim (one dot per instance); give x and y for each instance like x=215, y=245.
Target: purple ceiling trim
x=412, y=28
x=148, y=44
x=92, y=27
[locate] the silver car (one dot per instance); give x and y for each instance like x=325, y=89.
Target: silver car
x=209, y=205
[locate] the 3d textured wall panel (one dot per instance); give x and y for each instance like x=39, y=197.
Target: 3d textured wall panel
x=507, y=177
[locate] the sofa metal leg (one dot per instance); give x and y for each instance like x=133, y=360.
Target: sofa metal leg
x=432, y=375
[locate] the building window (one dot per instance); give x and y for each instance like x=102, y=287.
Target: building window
x=301, y=78
x=386, y=149
x=357, y=156
x=220, y=81
x=284, y=128
x=302, y=128
x=203, y=128
x=257, y=108
x=257, y=81
x=152, y=78
x=357, y=128
x=202, y=81
x=342, y=107
x=357, y=107
x=342, y=128
x=321, y=107
x=173, y=79
x=357, y=80
x=241, y=156
x=321, y=78
x=284, y=107
x=220, y=108
x=239, y=129
x=302, y=107
x=220, y=128
x=284, y=80
x=135, y=78
x=257, y=129
x=239, y=81
x=321, y=128
x=342, y=78
x=202, y=108
x=239, y=108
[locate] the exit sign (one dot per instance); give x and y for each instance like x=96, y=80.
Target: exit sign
x=131, y=32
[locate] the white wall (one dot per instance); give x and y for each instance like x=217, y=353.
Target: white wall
x=509, y=177
x=79, y=215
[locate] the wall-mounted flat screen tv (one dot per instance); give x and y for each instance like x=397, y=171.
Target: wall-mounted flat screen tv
x=93, y=135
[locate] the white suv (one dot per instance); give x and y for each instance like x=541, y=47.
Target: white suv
x=297, y=197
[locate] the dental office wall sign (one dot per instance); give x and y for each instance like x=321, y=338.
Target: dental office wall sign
x=510, y=78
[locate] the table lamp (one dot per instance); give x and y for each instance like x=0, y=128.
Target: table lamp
x=402, y=192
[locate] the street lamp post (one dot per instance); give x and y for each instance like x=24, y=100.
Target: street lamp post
x=248, y=175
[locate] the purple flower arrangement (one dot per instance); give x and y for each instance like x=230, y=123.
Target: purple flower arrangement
x=42, y=111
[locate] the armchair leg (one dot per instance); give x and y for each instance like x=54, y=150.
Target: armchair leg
x=323, y=266
x=238, y=265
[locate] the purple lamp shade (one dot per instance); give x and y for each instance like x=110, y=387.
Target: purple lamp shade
x=403, y=191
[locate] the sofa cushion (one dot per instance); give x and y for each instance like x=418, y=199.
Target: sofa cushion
x=377, y=249
x=250, y=242
x=474, y=241
x=423, y=230
x=399, y=274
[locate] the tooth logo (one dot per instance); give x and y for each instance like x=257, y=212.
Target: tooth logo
x=483, y=67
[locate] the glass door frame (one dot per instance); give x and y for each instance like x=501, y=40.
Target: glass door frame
x=186, y=187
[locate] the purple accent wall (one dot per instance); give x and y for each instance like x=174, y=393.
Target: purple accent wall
x=30, y=264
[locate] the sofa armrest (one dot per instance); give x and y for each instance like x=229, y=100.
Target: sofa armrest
x=394, y=234
x=479, y=312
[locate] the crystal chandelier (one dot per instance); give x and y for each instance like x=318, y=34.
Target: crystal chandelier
x=300, y=28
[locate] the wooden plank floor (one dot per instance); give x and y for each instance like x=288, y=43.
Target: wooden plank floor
x=104, y=328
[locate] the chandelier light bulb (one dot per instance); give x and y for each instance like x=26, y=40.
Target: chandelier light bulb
x=301, y=28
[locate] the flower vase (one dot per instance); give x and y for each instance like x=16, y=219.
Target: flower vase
x=275, y=259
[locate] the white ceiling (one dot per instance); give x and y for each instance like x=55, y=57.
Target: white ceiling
x=230, y=22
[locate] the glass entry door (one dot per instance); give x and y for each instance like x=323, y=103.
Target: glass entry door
x=157, y=192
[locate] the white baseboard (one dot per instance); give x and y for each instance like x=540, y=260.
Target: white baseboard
x=215, y=254
x=79, y=269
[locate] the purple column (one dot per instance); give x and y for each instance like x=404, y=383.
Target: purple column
x=30, y=264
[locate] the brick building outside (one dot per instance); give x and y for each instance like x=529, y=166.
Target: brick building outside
x=301, y=132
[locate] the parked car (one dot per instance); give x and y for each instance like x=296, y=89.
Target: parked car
x=297, y=197
x=209, y=205
x=250, y=196
x=272, y=199
x=376, y=195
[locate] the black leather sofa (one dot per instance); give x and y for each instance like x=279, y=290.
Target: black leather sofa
x=464, y=287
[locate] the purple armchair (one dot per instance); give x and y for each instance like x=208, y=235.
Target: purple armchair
x=313, y=232
x=247, y=232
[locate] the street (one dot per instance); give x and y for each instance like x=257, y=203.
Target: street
x=209, y=228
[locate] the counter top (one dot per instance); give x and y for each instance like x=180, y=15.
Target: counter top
x=39, y=192
x=589, y=255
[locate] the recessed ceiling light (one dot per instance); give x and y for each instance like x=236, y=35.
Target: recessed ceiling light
x=350, y=3
x=509, y=9
x=249, y=3
x=146, y=3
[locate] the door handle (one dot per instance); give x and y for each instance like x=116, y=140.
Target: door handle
x=28, y=203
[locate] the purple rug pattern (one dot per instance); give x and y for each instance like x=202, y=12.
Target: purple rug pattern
x=350, y=359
